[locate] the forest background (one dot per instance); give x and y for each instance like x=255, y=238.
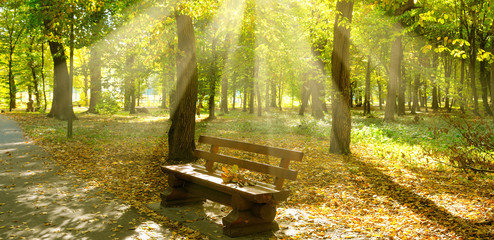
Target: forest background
x=263, y=66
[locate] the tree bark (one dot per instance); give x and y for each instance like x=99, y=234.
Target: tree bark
x=395, y=64
x=212, y=83
x=304, y=94
x=224, y=85
x=340, y=61
x=61, y=92
x=181, y=143
x=273, y=94
x=415, y=92
x=12, y=85
x=394, y=76
x=473, y=61
x=492, y=70
x=485, y=88
x=367, y=108
x=402, y=89
x=448, y=65
x=95, y=77
x=435, y=95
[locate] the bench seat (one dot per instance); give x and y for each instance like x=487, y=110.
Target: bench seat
x=197, y=174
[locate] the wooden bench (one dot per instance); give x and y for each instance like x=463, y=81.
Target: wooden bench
x=254, y=205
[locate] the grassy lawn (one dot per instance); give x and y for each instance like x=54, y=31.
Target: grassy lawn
x=394, y=184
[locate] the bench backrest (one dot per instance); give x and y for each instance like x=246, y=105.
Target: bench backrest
x=280, y=172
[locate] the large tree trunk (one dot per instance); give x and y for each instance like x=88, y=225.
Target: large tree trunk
x=395, y=64
x=473, y=61
x=181, y=143
x=394, y=76
x=95, y=76
x=61, y=92
x=340, y=60
x=316, y=104
x=367, y=108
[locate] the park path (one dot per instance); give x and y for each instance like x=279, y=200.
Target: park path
x=39, y=202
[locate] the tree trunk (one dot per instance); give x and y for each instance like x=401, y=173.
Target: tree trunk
x=273, y=93
x=212, y=83
x=394, y=76
x=32, y=66
x=402, y=89
x=266, y=100
x=304, y=94
x=492, y=70
x=415, y=97
x=181, y=143
x=43, y=75
x=316, y=104
x=129, y=84
x=395, y=64
x=95, y=76
x=224, y=90
x=251, y=96
x=234, y=93
x=12, y=85
x=133, y=97
x=435, y=95
x=244, y=100
x=367, y=108
x=258, y=91
x=448, y=65
x=473, y=60
x=164, y=86
x=340, y=61
x=61, y=92
x=484, y=81
x=380, y=91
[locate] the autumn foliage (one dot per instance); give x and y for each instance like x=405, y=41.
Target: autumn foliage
x=389, y=188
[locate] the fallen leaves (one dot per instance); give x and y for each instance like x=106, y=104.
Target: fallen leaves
x=371, y=194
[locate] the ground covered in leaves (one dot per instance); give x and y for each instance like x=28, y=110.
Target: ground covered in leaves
x=394, y=185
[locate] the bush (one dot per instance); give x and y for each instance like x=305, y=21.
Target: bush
x=108, y=104
x=476, y=148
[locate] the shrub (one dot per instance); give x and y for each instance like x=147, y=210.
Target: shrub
x=108, y=104
x=475, y=150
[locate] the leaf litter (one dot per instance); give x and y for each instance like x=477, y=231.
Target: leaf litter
x=362, y=196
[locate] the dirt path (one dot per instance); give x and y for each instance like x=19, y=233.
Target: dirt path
x=37, y=202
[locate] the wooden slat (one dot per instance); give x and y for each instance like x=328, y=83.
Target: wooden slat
x=278, y=182
x=271, y=151
x=250, y=165
x=209, y=164
x=261, y=192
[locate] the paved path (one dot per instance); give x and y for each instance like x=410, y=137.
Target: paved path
x=37, y=202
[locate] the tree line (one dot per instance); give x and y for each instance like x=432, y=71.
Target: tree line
x=398, y=55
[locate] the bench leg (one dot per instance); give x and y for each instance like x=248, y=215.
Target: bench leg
x=248, y=218
x=175, y=194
